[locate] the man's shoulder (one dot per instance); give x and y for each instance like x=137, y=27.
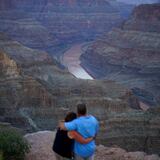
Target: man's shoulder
x=93, y=117
x=86, y=118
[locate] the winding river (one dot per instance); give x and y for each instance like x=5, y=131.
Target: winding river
x=71, y=60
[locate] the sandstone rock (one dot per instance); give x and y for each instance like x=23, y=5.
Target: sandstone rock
x=152, y=157
x=8, y=66
x=134, y=155
x=116, y=153
x=41, y=149
x=41, y=146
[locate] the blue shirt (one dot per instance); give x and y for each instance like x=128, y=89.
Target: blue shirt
x=87, y=126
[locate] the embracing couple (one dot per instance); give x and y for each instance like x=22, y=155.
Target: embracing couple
x=75, y=137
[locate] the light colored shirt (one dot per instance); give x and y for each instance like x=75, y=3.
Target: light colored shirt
x=87, y=126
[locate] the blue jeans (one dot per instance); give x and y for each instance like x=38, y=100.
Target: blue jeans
x=77, y=157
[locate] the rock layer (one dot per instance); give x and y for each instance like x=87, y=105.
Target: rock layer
x=52, y=25
x=136, y=131
x=35, y=93
x=130, y=54
x=144, y=18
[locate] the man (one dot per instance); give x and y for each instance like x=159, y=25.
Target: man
x=87, y=126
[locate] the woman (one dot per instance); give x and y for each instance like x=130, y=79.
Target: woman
x=64, y=140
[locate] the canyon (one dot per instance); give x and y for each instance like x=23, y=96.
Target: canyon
x=35, y=92
x=130, y=54
x=40, y=42
x=53, y=26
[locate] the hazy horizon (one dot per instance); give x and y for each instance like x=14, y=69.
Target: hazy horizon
x=139, y=1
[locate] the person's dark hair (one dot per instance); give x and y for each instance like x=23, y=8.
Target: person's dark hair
x=70, y=116
x=81, y=109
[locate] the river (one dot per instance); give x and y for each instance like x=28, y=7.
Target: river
x=71, y=60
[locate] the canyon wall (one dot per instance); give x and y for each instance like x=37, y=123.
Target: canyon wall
x=35, y=93
x=136, y=131
x=130, y=54
x=53, y=26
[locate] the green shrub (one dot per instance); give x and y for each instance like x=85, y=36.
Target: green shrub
x=12, y=145
x=1, y=155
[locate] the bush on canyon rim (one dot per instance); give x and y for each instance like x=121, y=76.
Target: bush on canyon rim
x=12, y=145
x=1, y=156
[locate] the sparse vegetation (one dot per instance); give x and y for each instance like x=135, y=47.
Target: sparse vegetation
x=12, y=145
x=1, y=155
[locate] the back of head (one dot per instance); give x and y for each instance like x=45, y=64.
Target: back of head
x=70, y=116
x=81, y=109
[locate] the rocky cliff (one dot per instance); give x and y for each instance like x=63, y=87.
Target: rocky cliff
x=52, y=25
x=35, y=93
x=130, y=54
x=136, y=131
x=41, y=143
x=144, y=18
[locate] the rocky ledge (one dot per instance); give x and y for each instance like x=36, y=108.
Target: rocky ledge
x=41, y=149
x=136, y=131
